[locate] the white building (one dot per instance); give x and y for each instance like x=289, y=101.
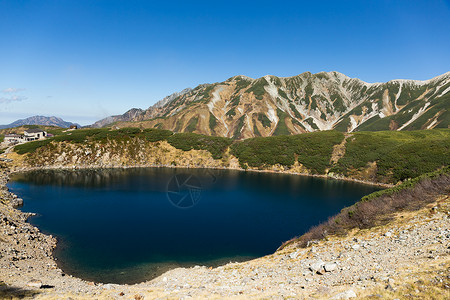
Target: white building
x=13, y=139
x=28, y=136
x=34, y=134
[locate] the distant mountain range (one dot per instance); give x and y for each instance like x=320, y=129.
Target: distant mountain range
x=242, y=107
x=40, y=120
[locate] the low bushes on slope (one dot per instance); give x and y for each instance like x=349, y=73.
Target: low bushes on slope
x=188, y=141
x=399, y=155
x=184, y=141
x=313, y=150
x=379, y=207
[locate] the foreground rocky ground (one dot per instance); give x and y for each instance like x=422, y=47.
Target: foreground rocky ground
x=407, y=259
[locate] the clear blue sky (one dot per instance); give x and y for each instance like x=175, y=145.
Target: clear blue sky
x=84, y=60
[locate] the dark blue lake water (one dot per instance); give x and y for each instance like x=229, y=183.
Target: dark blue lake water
x=127, y=226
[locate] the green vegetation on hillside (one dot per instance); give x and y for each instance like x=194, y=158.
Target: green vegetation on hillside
x=264, y=120
x=237, y=131
x=398, y=154
x=282, y=93
x=192, y=124
x=383, y=156
x=282, y=128
x=156, y=135
x=2, y=137
x=242, y=83
x=295, y=111
x=231, y=113
x=313, y=150
x=258, y=88
x=212, y=122
x=183, y=141
x=188, y=141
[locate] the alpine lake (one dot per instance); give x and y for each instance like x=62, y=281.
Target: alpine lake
x=131, y=225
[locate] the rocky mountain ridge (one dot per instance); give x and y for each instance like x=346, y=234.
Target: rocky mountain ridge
x=242, y=107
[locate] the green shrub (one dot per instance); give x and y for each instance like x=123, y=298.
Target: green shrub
x=212, y=122
x=156, y=135
x=31, y=146
x=399, y=155
x=188, y=141
x=240, y=124
x=265, y=121
x=258, y=88
x=313, y=150
x=282, y=128
x=192, y=125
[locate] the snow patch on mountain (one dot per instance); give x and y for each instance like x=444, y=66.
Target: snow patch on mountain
x=416, y=115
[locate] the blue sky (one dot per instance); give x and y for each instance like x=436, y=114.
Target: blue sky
x=84, y=60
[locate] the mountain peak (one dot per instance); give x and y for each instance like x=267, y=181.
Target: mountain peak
x=272, y=105
x=40, y=120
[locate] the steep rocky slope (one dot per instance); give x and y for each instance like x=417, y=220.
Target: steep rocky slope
x=242, y=107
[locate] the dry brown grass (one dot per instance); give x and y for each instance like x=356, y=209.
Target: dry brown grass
x=377, y=211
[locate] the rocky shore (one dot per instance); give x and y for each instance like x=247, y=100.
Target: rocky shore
x=408, y=258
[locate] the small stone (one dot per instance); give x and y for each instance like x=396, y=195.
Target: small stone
x=293, y=255
x=388, y=234
x=345, y=295
x=317, y=266
x=35, y=283
x=330, y=267
x=355, y=247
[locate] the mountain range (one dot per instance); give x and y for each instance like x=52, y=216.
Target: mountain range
x=40, y=120
x=243, y=107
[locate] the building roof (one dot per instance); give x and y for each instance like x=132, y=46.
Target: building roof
x=12, y=135
x=34, y=130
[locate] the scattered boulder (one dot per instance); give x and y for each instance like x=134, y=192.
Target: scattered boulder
x=16, y=202
x=294, y=255
x=35, y=283
x=330, y=267
x=345, y=295
x=317, y=266
x=356, y=247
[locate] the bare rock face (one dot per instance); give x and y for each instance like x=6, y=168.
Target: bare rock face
x=242, y=107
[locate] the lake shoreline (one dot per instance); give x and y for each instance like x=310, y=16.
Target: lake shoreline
x=324, y=176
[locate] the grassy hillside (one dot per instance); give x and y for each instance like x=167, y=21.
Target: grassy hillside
x=398, y=154
x=184, y=141
x=385, y=156
x=313, y=150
